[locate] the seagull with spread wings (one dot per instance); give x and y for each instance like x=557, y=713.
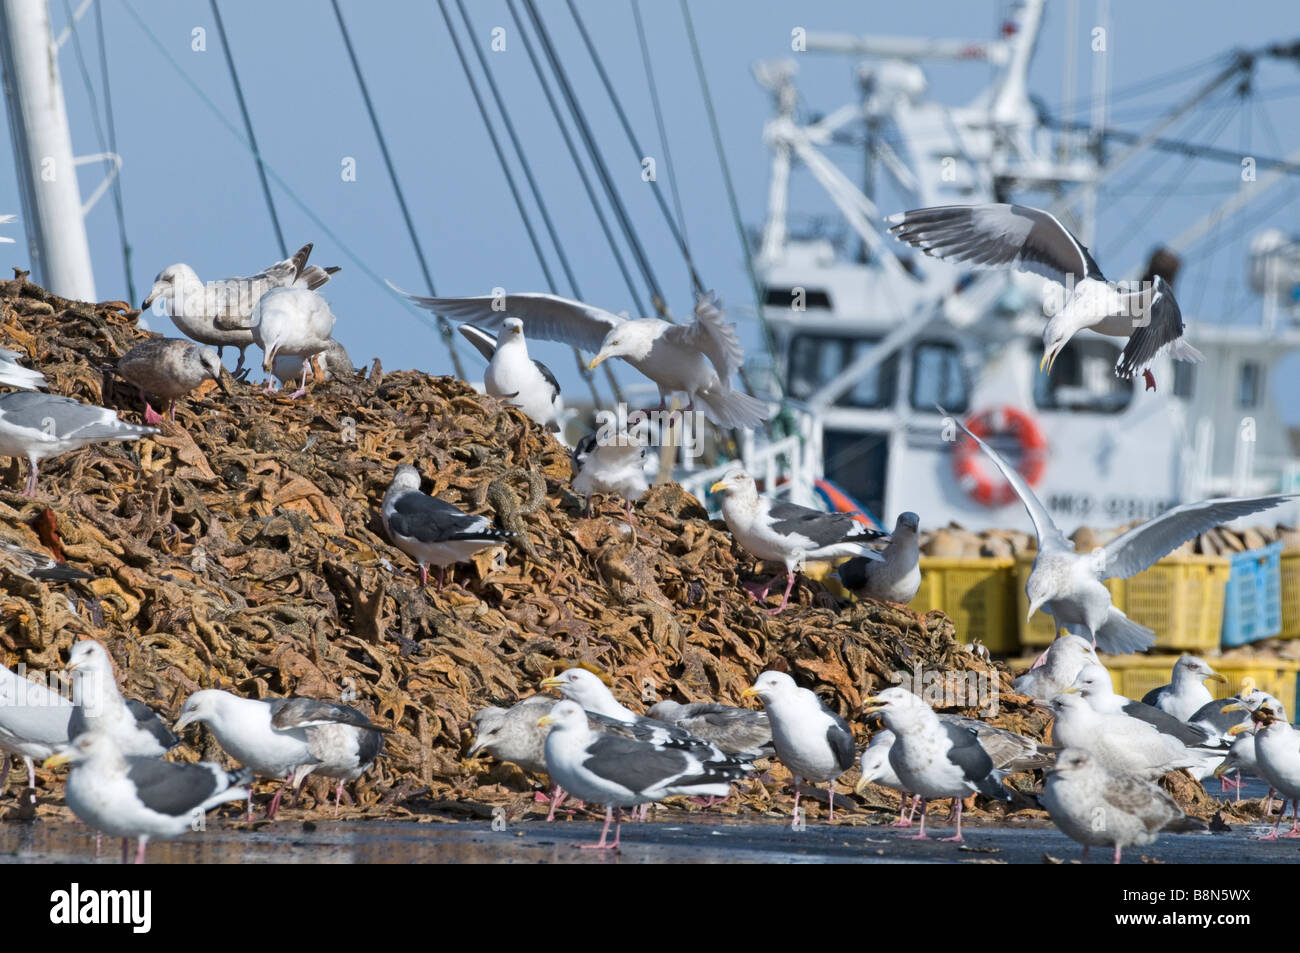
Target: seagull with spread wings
x=698, y=359
x=1069, y=586
x=1029, y=239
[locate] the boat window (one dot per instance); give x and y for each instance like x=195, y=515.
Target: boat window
x=1248, y=384
x=938, y=377
x=1083, y=379
x=816, y=359
x=1184, y=379
x=856, y=462
x=785, y=298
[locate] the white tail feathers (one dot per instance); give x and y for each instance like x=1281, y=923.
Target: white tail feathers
x=733, y=408
x=1180, y=350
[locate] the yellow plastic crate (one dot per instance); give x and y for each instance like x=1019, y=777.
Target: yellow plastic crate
x=975, y=594
x=1290, y=595
x=1180, y=598
x=1135, y=675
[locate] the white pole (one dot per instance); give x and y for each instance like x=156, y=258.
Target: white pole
x=38, y=120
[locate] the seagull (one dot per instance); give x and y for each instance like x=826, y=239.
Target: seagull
x=127, y=796
x=33, y=721
x=194, y=307
x=42, y=566
x=622, y=772
x=1097, y=808
x=896, y=575
x=135, y=728
x=1186, y=693
x=287, y=368
x=286, y=738
x=1029, y=239
x=169, y=368
x=1217, y=718
x=813, y=742
x=698, y=359
x=735, y=731
x=615, y=466
x=1069, y=584
x=292, y=321
x=12, y=374
x=1277, y=755
x=37, y=426
x=934, y=758
x=512, y=734
x=432, y=531
x=1120, y=743
x=786, y=532
x=513, y=376
x=875, y=769
x=1065, y=658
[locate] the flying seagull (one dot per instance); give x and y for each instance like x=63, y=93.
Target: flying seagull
x=1029, y=239
x=195, y=306
x=12, y=374
x=894, y=577
x=37, y=426
x=698, y=359
x=1186, y=693
x=937, y=758
x=432, y=531
x=622, y=772
x=136, y=729
x=1069, y=585
x=515, y=377
x=813, y=742
x=169, y=368
x=788, y=533
x=1097, y=808
x=616, y=465
x=126, y=796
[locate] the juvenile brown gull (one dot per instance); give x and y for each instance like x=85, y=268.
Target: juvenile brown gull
x=787, y=532
x=1097, y=808
x=125, y=796
x=1186, y=693
x=342, y=741
x=169, y=368
x=623, y=772
x=513, y=376
x=813, y=742
x=335, y=365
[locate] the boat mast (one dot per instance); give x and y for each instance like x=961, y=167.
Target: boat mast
x=38, y=122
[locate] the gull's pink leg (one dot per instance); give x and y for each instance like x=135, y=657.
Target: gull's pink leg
x=795, y=811
x=424, y=575
x=921, y=835
x=1273, y=835
x=1039, y=661
x=760, y=592
x=302, y=384
x=956, y=803
x=151, y=416
x=557, y=798
x=31, y=774
x=338, y=797
x=139, y=850
x=1268, y=807
x=831, y=815
x=279, y=795
x=1118, y=851
x=601, y=845
x=30, y=489
x=785, y=599
x=1295, y=820
x=171, y=410
x=904, y=817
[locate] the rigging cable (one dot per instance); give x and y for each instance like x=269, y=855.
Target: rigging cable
x=522, y=158
x=118, y=202
x=636, y=147
x=444, y=326
x=659, y=119
x=589, y=140
x=248, y=126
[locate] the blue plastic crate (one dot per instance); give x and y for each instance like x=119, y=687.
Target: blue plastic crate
x=1252, y=602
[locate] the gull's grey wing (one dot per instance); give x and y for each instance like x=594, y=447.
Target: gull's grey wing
x=308, y=712
x=545, y=316
x=711, y=334
x=1167, y=724
x=172, y=787
x=840, y=737
x=1130, y=553
x=1049, y=534
x=549, y=378
x=63, y=418
x=146, y=719
x=484, y=343
x=426, y=518
x=1015, y=236
x=1157, y=322
x=1142, y=799
x=969, y=755
x=822, y=528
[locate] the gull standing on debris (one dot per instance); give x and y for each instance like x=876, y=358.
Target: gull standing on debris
x=37, y=426
x=12, y=374
x=432, y=531
x=896, y=575
x=342, y=741
x=1099, y=809
x=513, y=376
x=735, y=731
x=623, y=772
x=698, y=359
x=813, y=742
x=1065, y=658
x=1186, y=693
x=787, y=532
x=875, y=768
x=195, y=307
x=126, y=796
x=33, y=722
x=513, y=734
x=169, y=368
x=616, y=466
x=1120, y=743
x=42, y=566
x=336, y=365
x=1029, y=239
x=934, y=758
x=136, y=729
x=1277, y=756
x=291, y=321
x=1069, y=585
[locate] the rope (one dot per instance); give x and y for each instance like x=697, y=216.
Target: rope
x=659, y=118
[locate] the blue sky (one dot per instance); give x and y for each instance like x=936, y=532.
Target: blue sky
x=191, y=193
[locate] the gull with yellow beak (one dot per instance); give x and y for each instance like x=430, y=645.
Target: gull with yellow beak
x=126, y=797
x=697, y=358
x=1069, y=585
x=779, y=531
x=1186, y=693
x=1029, y=239
x=1277, y=754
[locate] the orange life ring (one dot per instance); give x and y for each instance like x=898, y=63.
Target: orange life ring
x=977, y=476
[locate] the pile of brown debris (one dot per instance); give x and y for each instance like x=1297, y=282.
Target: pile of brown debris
x=241, y=548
